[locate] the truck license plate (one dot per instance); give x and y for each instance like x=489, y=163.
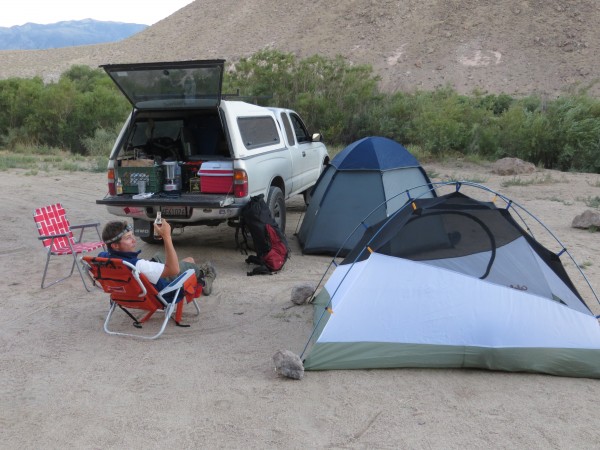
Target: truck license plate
x=174, y=211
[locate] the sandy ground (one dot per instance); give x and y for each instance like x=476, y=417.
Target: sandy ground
x=64, y=383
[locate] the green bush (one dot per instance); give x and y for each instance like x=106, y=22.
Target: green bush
x=82, y=112
x=99, y=147
x=101, y=143
x=332, y=95
x=59, y=114
x=17, y=102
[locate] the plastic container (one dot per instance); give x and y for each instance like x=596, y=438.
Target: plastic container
x=130, y=176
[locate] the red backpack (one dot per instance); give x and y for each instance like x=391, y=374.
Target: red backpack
x=275, y=258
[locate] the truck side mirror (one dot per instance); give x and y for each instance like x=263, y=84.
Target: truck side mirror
x=317, y=137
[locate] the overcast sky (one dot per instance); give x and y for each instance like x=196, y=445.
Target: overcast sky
x=148, y=12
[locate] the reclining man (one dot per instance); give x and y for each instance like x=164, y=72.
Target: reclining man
x=121, y=243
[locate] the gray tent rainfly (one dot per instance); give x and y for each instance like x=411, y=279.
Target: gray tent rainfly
x=454, y=282
x=371, y=178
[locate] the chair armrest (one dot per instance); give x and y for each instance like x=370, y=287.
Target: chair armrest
x=173, y=292
x=53, y=236
x=177, y=282
x=85, y=225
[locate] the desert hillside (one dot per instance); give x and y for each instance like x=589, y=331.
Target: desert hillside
x=511, y=46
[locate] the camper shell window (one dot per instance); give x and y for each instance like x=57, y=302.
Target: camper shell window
x=258, y=131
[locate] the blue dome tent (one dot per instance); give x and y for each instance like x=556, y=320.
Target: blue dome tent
x=372, y=177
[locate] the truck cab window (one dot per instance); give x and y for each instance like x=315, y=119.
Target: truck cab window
x=299, y=129
x=289, y=133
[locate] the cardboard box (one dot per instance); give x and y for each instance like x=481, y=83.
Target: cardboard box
x=216, y=177
x=137, y=163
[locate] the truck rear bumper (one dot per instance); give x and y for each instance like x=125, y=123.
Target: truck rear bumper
x=185, y=208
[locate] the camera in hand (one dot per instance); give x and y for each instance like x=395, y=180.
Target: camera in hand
x=158, y=222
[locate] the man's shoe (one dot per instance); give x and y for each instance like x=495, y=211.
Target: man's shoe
x=209, y=277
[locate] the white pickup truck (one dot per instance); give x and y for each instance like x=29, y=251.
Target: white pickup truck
x=198, y=156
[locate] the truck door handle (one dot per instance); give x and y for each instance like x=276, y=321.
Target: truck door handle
x=303, y=153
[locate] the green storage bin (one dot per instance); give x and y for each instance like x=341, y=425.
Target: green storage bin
x=153, y=176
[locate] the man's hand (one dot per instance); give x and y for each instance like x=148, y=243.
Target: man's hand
x=171, y=262
x=163, y=230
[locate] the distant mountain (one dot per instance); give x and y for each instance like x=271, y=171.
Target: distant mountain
x=33, y=36
x=545, y=47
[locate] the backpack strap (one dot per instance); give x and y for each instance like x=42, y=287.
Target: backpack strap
x=241, y=229
x=260, y=270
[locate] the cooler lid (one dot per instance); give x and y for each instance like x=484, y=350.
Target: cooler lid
x=217, y=165
x=216, y=169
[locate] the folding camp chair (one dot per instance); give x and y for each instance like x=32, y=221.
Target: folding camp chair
x=130, y=289
x=56, y=233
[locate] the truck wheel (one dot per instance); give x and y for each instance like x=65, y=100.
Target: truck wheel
x=276, y=204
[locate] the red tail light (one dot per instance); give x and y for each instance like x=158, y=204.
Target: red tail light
x=240, y=183
x=111, y=182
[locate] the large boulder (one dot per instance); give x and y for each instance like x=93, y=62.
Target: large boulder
x=587, y=220
x=512, y=166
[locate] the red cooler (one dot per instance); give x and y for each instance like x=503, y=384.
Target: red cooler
x=216, y=177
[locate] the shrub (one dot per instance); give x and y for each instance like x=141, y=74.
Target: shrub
x=80, y=111
x=59, y=114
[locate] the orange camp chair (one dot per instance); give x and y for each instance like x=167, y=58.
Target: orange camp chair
x=130, y=289
x=56, y=233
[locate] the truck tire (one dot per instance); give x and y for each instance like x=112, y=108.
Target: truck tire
x=276, y=204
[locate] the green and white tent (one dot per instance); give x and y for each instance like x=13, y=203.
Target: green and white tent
x=453, y=282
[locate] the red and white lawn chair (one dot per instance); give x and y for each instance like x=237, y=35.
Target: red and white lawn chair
x=56, y=233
